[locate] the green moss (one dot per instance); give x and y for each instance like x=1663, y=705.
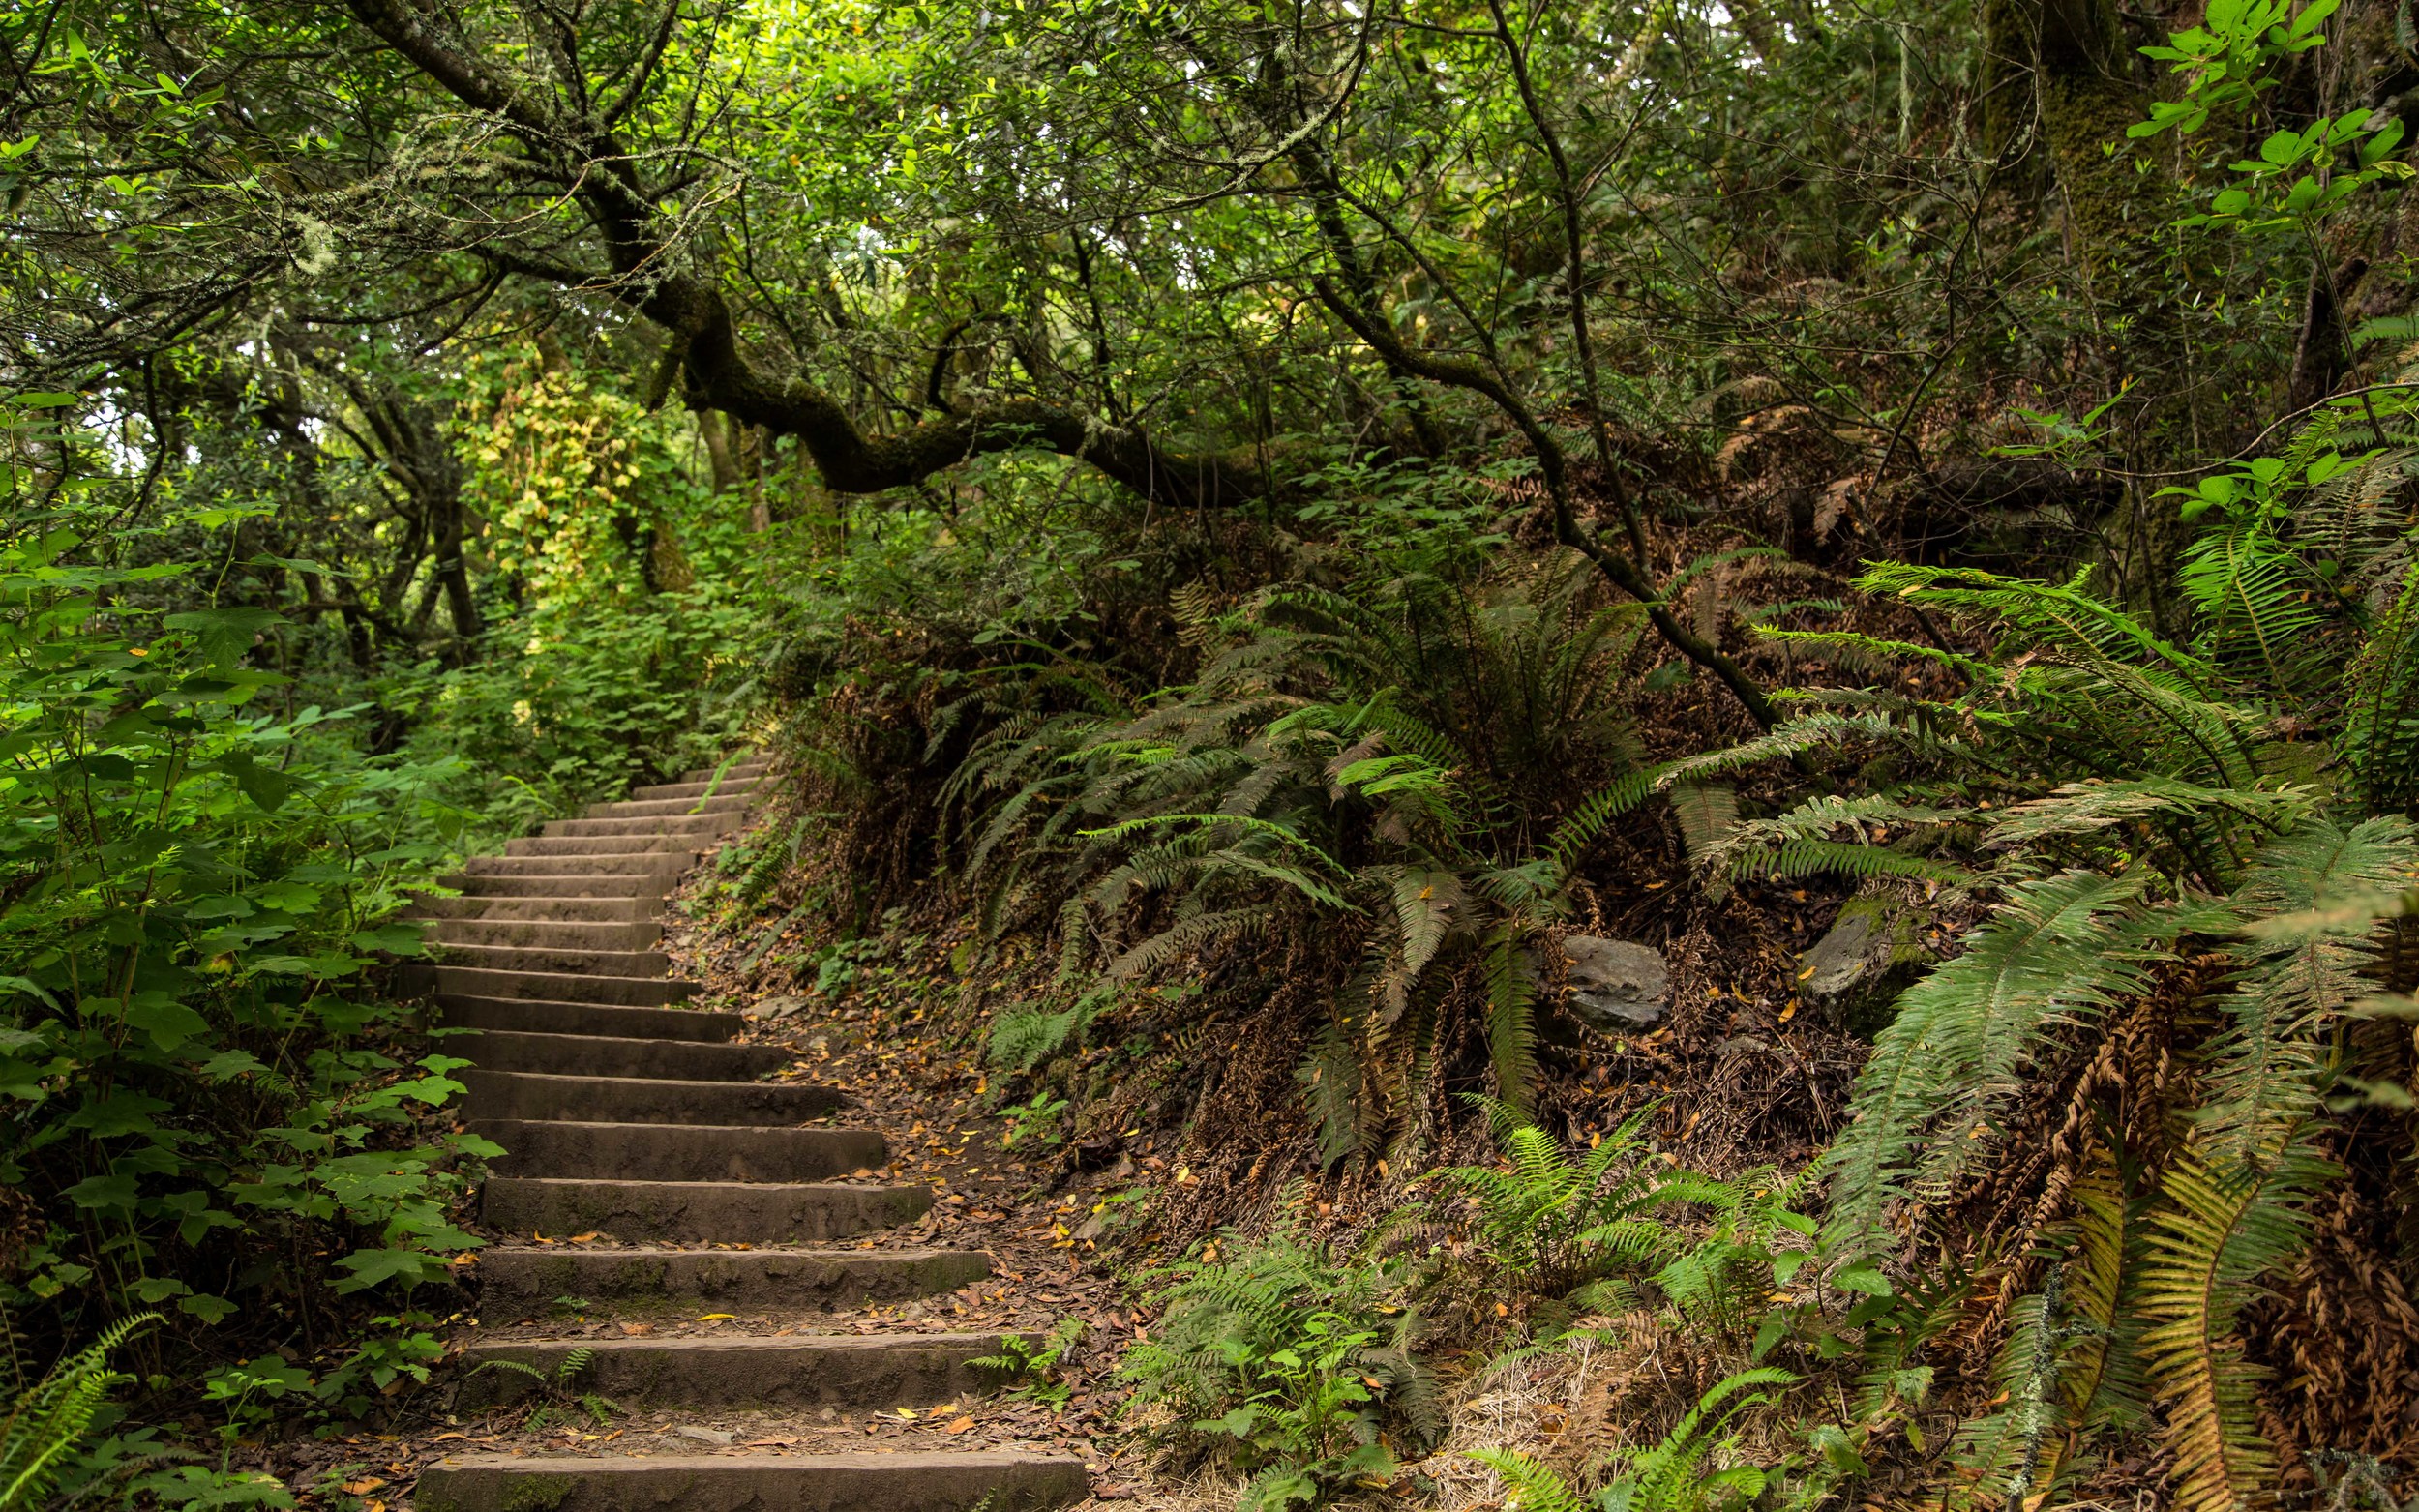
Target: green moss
x=535, y=1494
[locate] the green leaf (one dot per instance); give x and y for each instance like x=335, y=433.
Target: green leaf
x=224, y=635
x=167, y=1021
x=266, y=785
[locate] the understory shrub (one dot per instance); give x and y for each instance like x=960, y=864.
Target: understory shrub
x=211, y=1106
x=1289, y=1362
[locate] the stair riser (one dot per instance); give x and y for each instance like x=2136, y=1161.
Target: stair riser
x=625, y=992
x=667, y=793
x=575, y=961
x=493, y=909
x=698, y=828
x=562, y=847
x=561, y=1054
x=530, y=1019
x=499, y=1094
x=737, y=772
x=556, y=934
x=670, y=808
x=707, y=1483
x=676, y=1152
x=636, y=871
x=523, y=1284
x=695, y=1212
x=751, y=1373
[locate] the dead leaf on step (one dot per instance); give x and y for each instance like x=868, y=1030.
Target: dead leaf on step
x=960, y=1426
x=770, y=1443
x=716, y=1317
x=441, y=1438
x=634, y=1330
x=362, y=1488
x=583, y=1238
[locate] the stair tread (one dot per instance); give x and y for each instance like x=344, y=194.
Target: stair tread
x=640, y=1183
x=530, y=1016
x=755, y=1480
x=763, y=1342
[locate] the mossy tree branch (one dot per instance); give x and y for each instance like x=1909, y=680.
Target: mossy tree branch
x=579, y=150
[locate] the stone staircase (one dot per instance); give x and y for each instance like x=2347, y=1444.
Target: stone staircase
x=641, y=1127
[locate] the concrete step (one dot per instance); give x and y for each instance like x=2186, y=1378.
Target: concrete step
x=561, y=1055
x=636, y=869
x=523, y=1094
x=697, y=1212
x=752, y=766
x=594, y=1021
x=552, y=886
x=801, y=1371
x=546, y=934
x=735, y=787
x=699, y=828
x=995, y=1481
x=561, y=987
x=584, y=848
x=574, y=960
x=499, y=910
x=523, y=1280
x=668, y=808
x=677, y=1151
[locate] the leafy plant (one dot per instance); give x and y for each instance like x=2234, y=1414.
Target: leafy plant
x=558, y=1389
x=1395, y=760
x=1554, y=1220
x=1287, y=1363
x=1032, y=1368
x=44, y=1435
x=1035, y=1121
x=202, y=1066
x=1672, y=1475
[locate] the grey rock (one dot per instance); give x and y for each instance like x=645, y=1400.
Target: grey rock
x=720, y=1436
x=1617, y=987
x=1855, y=972
x=774, y=1007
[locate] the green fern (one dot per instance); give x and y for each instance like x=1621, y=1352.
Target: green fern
x=2380, y=740
x=1672, y=1475
x=48, y=1419
x=1553, y=1220
x=2058, y=951
x=2302, y=964
x=2217, y=1233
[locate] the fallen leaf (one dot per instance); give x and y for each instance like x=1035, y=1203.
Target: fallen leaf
x=960, y=1426
x=717, y=1318
x=362, y=1488
x=583, y=1238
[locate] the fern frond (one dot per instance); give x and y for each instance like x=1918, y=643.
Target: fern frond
x=2302, y=968
x=1531, y=1485
x=2217, y=1232
x=2380, y=739
x=1814, y=857
x=1332, y=1086
x=1707, y=812
x=1511, y=1015
x=47, y=1422
x=2058, y=950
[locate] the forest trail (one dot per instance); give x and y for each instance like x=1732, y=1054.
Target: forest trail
x=652, y=1181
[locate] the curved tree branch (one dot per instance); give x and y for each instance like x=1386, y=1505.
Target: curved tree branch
x=1616, y=566
x=583, y=153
